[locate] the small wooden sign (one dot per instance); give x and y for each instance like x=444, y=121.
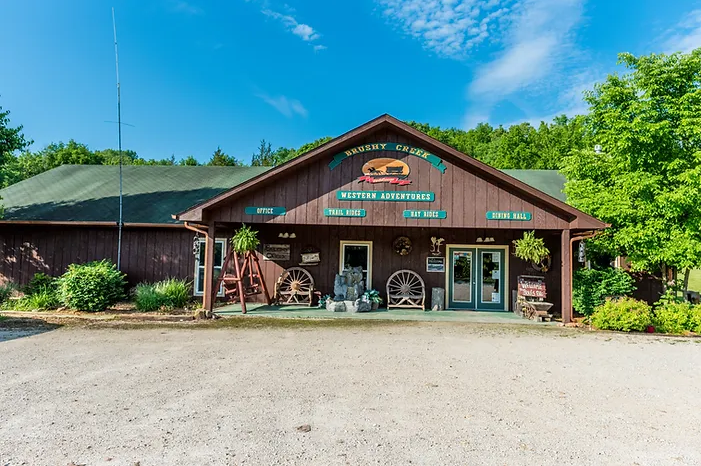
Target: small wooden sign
x=276, y=252
x=425, y=214
x=344, y=212
x=435, y=264
x=396, y=196
x=265, y=210
x=508, y=215
x=531, y=287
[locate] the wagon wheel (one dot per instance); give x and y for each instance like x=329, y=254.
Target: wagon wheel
x=405, y=288
x=295, y=286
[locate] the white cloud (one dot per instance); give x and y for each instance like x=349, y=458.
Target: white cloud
x=538, y=43
x=181, y=6
x=301, y=30
x=450, y=28
x=686, y=35
x=284, y=105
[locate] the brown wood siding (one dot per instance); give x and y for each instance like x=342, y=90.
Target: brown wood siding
x=148, y=254
x=465, y=196
x=385, y=261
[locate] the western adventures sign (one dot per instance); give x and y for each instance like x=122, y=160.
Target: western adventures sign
x=398, y=196
x=388, y=147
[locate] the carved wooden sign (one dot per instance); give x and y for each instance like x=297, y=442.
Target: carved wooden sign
x=391, y=171
x=332, y=212
x=531, y=287
x=388, y=147
x=509, y=215
x=425, y=214
x=265, y=210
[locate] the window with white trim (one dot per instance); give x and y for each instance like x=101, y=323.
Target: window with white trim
x=219, y=254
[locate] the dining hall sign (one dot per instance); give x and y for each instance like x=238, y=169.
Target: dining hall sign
x=388, y=147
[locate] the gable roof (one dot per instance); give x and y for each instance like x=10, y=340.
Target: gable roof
x=577, y=218
x=90, y=193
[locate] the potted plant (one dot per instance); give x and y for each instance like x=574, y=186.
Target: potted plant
x=533, y=250
x=245, y=240
x=374, y=298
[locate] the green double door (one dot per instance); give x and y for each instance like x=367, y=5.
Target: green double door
x=476, y=278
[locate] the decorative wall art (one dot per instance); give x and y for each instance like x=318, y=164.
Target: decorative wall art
x=276, y=252
x=386, y=170
x=310, y=256
x=402, y=246
x=436, y=246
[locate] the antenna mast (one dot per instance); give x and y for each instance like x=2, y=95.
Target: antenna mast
x=119, y=144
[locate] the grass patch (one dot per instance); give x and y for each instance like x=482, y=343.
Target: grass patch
x=695, y=280
x=2, y=317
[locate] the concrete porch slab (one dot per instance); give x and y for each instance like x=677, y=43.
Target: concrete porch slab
x=304, y=312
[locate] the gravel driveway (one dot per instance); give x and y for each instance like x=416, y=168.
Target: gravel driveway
x=427, y=394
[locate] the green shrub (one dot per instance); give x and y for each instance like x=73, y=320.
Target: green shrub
x=166, y=294
x=42, y=300
x=6, y=290
x=91, y=287
x=624, y=314
x=146, y=298
x=40, y=282
x=176, y=293
x=677, y=318
x=672, y=318
x=592, y=287
x=694, y=323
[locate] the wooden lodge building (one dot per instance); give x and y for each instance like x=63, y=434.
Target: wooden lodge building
x=384, y=197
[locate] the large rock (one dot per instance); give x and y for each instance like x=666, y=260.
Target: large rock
x=336, y=306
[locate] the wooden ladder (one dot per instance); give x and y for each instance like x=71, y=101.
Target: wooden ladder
x=245, y=280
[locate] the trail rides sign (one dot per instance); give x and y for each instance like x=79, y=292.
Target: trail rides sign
x=385, y=170
x=388, y=147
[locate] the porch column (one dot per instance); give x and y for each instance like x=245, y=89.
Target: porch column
x=566, y=276
x=207, y=295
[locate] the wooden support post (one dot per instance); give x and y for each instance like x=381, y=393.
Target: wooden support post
x=566, y=276
x=262, y=282
x=208, y=295
x=239, y=283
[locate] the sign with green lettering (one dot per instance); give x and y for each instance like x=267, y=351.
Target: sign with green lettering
x=398, y=196
x=265, y=210
x=509, y=215
x=388, y=147
x=344, y=212
x=425, y=214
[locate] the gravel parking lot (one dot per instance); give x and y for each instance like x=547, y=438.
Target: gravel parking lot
x=427, y=394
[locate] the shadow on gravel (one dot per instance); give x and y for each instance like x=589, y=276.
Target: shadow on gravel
x=13, y=328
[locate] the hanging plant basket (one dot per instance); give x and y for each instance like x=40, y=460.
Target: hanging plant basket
x=402, y=246
x=533, y=250
x=245, y=240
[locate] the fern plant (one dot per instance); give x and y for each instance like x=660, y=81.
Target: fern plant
x=245, y=240
x=531, y=249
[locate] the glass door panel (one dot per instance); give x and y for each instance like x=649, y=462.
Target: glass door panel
x=491, y=280
x=461, y=284
x=358, y=255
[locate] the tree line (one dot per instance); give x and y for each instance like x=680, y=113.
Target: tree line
x=633, y=161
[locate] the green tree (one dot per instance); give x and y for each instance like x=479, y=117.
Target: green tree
x=220, y=159
x=111, y=157
x=11, y=140
x=646, y=180
x=189, y=161
x=265, y=157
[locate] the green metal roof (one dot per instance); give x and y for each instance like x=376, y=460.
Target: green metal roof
x=90, y=193
x=551, y=182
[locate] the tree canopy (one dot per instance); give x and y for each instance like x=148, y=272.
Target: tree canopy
x=646, y=179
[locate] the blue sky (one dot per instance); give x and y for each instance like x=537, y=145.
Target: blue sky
x=197, y=74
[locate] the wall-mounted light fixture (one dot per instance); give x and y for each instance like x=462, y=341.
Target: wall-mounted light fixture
x=287, y=235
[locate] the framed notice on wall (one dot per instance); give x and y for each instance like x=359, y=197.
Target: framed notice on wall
x=435, y=264
x=276, y=252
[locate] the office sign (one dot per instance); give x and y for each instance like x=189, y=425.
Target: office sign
x=265, y=210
